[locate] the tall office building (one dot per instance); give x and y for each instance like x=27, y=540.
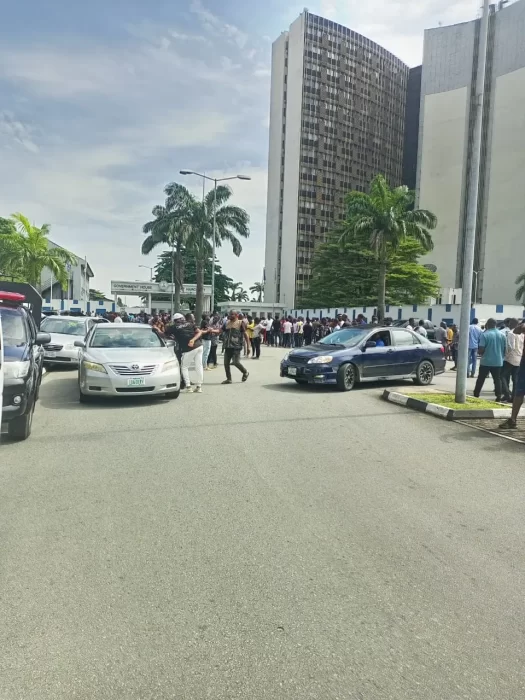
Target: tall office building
x=450, y=62
x=336, y=120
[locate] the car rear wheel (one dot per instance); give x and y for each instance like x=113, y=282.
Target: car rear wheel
x=424, y=373
x=173, y=394
x=346, y=377
x=20, y=428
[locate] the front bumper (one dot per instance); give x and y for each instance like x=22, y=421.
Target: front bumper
x=14, y=388
x=111, y=384
x=65, y=356
x=313, y=374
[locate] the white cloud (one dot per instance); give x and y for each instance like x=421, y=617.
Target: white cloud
x=18, y=132
x=214, y=24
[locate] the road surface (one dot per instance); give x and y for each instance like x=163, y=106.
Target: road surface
x=259, y=541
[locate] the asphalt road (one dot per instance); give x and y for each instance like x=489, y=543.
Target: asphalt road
x=259, y=541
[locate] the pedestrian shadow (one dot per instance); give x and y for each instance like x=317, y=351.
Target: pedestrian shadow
x=490, y=442
x=295, y=387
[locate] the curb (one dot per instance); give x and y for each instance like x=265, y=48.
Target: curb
x=442, y=411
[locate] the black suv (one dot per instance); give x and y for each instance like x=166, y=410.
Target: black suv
x=20, y=314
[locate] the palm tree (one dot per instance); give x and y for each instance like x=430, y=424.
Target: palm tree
x=234, y=287
x=231, y=222
x=27, y=253
x=96, y=295
x=387, y=217
x=242, y=295
x=520, y=292
x=170, y=227
x=258, y=288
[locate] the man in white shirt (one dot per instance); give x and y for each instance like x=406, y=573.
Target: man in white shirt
x=287, y=334
x=118, y=319
x=411, y=324
x=421, y=329
x=513, y=356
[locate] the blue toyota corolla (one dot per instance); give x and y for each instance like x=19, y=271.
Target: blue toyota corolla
x=365, y=354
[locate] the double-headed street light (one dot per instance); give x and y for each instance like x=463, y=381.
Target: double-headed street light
x=215, y=180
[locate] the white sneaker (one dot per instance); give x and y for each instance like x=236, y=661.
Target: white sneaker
x=188, y=390
x=198, y=389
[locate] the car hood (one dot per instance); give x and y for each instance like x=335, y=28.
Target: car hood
x=315, y=350
x=141, y=356
x=63, y=338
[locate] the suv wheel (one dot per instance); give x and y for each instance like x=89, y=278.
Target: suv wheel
x=20, y=428
x=346, y=377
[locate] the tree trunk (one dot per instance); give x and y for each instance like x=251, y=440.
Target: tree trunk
x=177, y=274
x=199, y=302
x=381, y=290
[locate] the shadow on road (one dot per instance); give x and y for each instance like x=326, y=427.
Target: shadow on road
x=290, y=386
x=62, y=394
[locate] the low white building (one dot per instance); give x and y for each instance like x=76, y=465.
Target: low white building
x=79, y=274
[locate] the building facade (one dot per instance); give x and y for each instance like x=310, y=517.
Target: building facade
x=336, y=119
x=79, y=274
x=446, y=126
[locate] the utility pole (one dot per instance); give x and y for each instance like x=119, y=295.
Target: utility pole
x=472, y=211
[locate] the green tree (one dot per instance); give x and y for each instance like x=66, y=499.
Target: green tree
x=520, y=291
x=387, y=217
x=171, y=227
x=241, y=295
x=234, y=289
x=345, y=274
x=27, y=253
x=6, y=226
x=258, y=288
x=95, y=295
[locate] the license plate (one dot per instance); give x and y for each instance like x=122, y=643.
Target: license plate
x=50, y=354
x=292, y=371
x=137, y=381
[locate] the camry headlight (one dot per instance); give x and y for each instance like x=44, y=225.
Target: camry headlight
x=94, y=367
x=16, y=370
x=320, y=360
x=170, y=366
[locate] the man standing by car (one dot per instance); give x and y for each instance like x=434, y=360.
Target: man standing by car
x=492, y=349
x=441, y=334
x=188, y=338
x=234, y=338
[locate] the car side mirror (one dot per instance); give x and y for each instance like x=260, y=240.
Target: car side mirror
x=370, y=344
x=170, y=343
x=43, y=338
x=79, y=344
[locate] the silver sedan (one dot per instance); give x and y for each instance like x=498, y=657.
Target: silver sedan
x=64, y=331
x=126, y=359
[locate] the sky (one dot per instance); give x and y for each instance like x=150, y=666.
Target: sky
x=103, y=103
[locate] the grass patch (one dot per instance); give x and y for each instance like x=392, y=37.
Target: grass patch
x=449, y=401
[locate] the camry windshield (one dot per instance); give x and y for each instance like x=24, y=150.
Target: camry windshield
x=106, y=336
x=345, y=336
x=65, y=326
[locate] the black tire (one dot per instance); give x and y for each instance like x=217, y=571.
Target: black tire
x=20, y=428
x=346, y=377
x=424, y=373
x=173, y=394
x=84, y=398
x=301, y=381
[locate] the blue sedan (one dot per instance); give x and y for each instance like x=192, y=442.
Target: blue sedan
x=365, y=354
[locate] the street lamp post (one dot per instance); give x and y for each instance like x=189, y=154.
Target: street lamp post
x=215, y=180
x=146, y=267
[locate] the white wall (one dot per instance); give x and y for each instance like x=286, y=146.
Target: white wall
x=274, y=167
x=442, y=149
x=505, y=238
x=292, y=160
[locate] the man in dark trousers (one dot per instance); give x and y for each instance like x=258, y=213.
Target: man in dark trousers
x=519, y=388
x=492, y=346
x=235, y=336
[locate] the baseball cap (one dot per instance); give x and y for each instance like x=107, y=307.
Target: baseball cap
x=178, y=317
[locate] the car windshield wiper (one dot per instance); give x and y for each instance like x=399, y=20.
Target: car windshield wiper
x=335, y=345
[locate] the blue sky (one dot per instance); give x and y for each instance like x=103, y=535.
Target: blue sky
x=102, y=103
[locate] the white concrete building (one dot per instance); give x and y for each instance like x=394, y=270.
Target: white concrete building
x=336, y=119
x=79, y=274
x=446, y=123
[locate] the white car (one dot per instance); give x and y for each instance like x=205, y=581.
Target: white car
x=126, y=359
x=64, y=330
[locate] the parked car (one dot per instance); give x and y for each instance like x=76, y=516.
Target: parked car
x=23, y=360
x=64, y=330
x=126, y=359
x=428, y=325
x=365, y=354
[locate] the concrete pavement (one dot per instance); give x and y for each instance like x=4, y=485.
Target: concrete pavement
x=261, y=540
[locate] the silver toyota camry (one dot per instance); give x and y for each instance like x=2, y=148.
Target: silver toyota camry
x=126, y=359
x=64, y=331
